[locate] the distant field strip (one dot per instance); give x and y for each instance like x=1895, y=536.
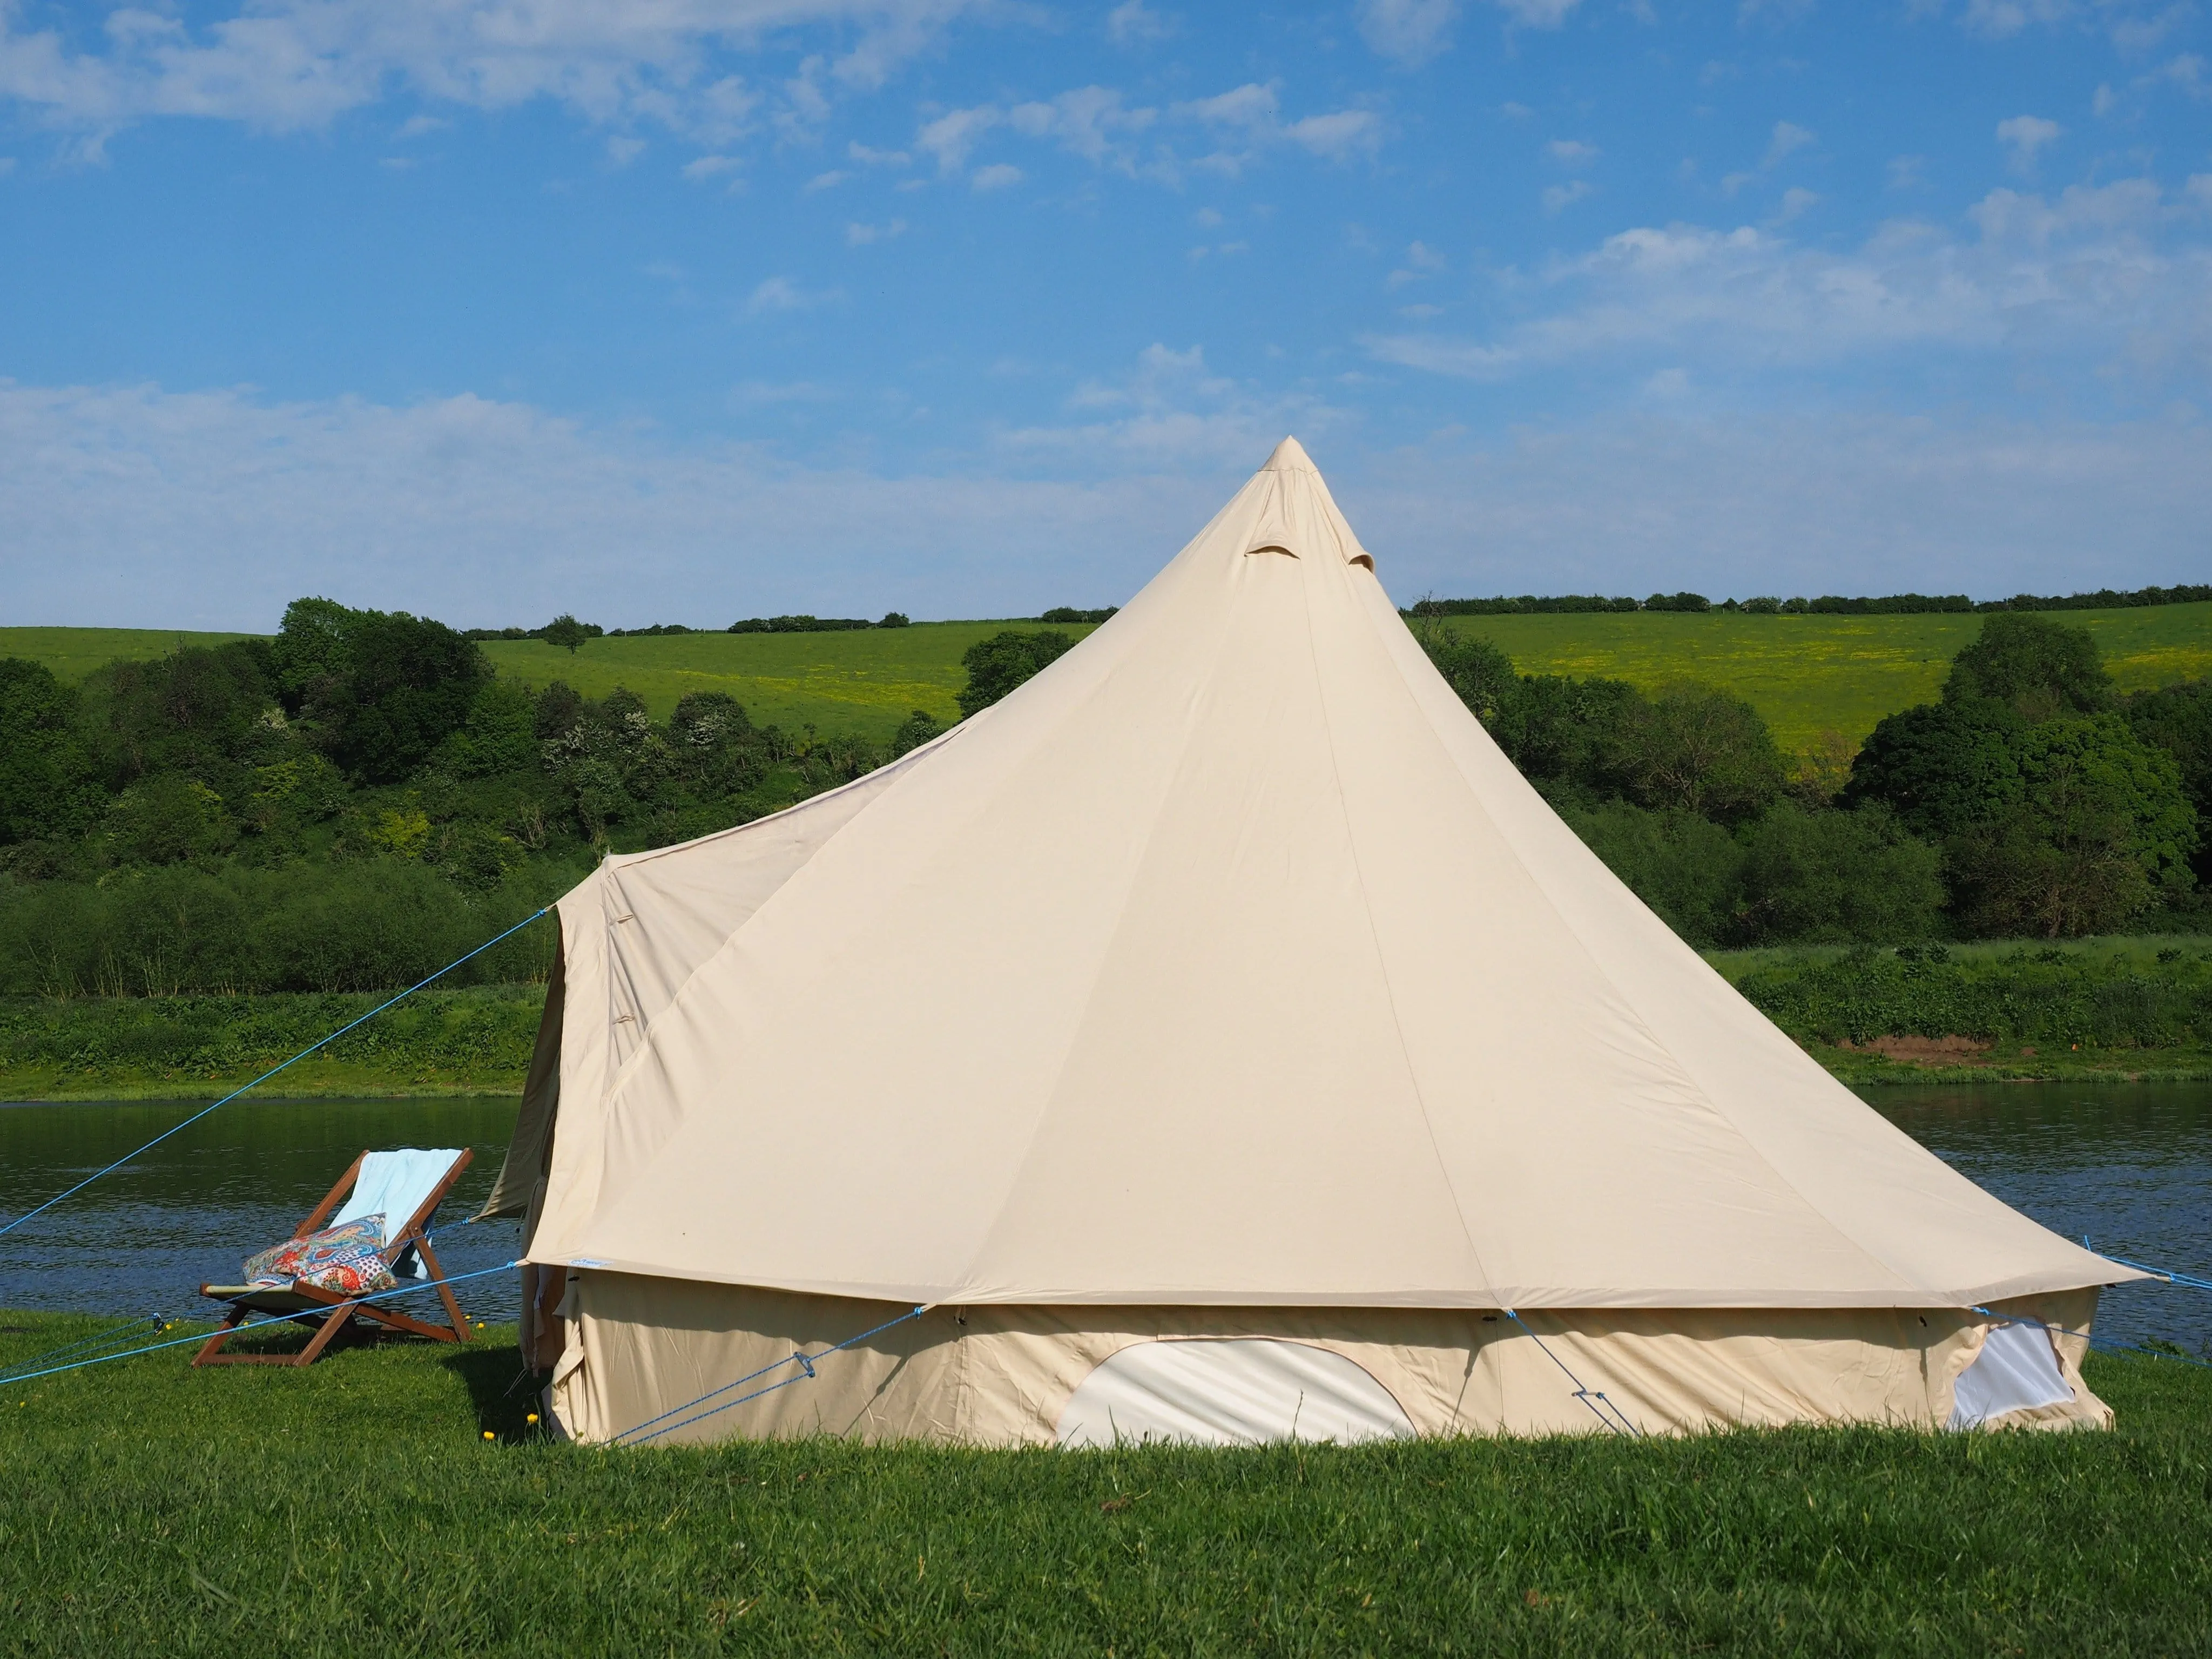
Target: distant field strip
x=864, y=681
x=1806, y=675
x=1809, y=675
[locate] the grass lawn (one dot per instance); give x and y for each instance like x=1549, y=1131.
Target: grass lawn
x=1808, y=675
x=355, y=1508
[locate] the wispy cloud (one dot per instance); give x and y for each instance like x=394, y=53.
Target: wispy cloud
x=2085, y=272
x=1409, y=33
x=2026, y=136
x=288, y=65
x=782, y=294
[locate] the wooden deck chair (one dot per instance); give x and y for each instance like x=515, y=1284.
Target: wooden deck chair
x=374, y=1182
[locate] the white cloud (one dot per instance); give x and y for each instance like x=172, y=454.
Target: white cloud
x=1788, y=138
x=951, y=135
x=781, y=293
x=131, y=506
x=859, y=235
x=878, y=158
x=623, y=149
x=1409, y=32
x=2185, y=70
x=2000, y=19
x=285, y=65
x=1250, y=117
x=712, y=166
x=417, y=127
x=1908, y=173
x=2082, y=277
x=820, y=181
x=1421, y=260
x=1538, y=14
x=1133, y=22
x=1171, y=410
x=997, y=176
x=1794, y=202
x=2026, y=136
x=1572, y=152
x=1558, y=198
x=1091, y=121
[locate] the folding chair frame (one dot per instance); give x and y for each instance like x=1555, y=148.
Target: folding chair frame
x=343, y=1309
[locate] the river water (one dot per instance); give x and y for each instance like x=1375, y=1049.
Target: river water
x=2127, y=1165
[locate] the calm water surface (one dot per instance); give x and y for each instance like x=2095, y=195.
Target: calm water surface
x=2129, y=1164
x=144, y=1239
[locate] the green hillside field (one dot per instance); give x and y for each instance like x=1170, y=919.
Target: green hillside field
x=1806, y=675
x=860, y=683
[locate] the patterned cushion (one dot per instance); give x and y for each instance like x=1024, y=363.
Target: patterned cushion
x=348, y=1258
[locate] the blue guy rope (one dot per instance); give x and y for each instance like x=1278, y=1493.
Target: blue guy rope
x=345, y=1307
x=2188, y=1280
x=1591, y=1397
x=98, y=1339
x=323, y=1043
x=804, y=1360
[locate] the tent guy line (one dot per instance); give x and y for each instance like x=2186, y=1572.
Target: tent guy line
x=320, y=1042
x=410, y=1289
x=806, y=1374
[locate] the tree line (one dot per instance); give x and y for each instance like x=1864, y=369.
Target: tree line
x=1828, y=604
x=356, y=801
x=2028, y=800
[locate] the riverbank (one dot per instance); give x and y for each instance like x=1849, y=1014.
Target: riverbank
x=2098, y=1010
x=470, y=1042
x=2122, y=1009
x=145, y=1507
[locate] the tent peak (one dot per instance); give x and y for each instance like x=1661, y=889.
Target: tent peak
x=1290, y=457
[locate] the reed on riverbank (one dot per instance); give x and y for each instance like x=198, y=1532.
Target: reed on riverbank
x=145, y=1507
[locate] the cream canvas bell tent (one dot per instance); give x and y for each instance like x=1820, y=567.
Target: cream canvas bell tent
x=1218, y=1039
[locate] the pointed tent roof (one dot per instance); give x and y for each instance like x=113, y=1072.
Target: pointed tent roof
x=1227, y=961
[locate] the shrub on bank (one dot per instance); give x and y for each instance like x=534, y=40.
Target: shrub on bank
x=2045, y=997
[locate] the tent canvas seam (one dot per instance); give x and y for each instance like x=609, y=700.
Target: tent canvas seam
x=1642, y=1024
x=1382, y=959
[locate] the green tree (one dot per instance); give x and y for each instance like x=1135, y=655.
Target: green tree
x=1686, y=867
x=566, y=632
x=1946, y=769
x=47, y=787
x=915, y=729
x=2101, y=828
x=1826, y=876
x=1479, y=673
x=2178, y=719
x=2043, y=669
x=379, y=690
x=1699, y=750
x=996, y=666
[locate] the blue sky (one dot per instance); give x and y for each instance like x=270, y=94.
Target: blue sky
x=694, y=309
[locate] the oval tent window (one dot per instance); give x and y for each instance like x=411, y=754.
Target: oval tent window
x=1238, y=1391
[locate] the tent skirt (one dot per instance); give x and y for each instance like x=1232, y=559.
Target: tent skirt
x=660, y=1359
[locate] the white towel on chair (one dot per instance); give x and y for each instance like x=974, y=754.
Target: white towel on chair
x=394, y=1184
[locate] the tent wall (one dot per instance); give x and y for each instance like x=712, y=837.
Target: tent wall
x=998, y=1374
